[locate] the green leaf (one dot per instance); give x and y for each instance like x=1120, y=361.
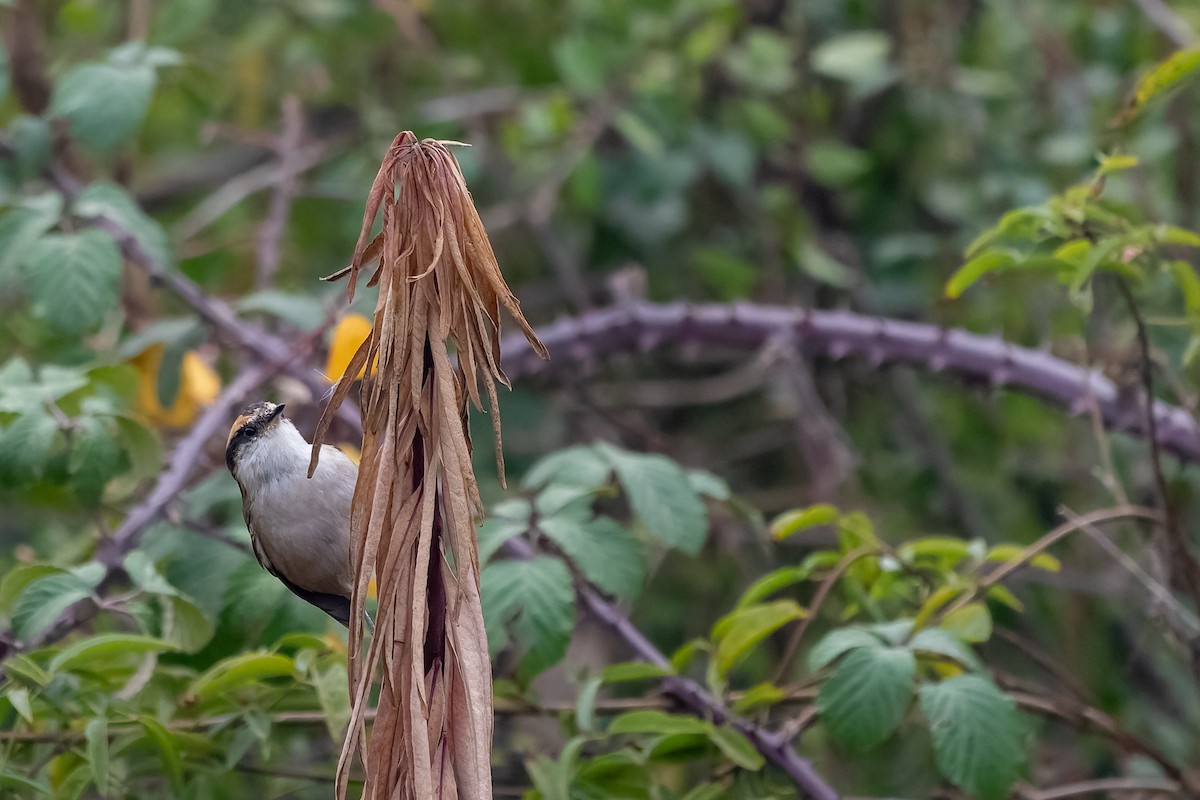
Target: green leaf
x=600, y=548
x=737, y=633
x=105, y=647
x=96, y=735
x=19, y=697
x=74, y=279
x=535, y=599
x=857, y=57
x=1161, y=78
x=234, y=673
x=867, y=695
x=837, y=643
x=971, y=623
x=190, y=628
x=1006, y=552
x=632, y=671
x=299, y=310
x=12, y=779
x=709, y=485
x=661, y=497
x=1189, y=285
x=95, y=456
x=25, y=446
x=941, y=642
x=22, y=226
x=976, y=268
x=947, y=547
x=657, y=722
x=168, y=750
x=772, y=582
x=736, y=747
x=105, y=103
x=140, y=568
x=21, y=392
x=793, y=522
x=494, y=532
x=977, y=737
x=585, y=704
x=764, y=694
x=18, y=578
x=330, y=685
x=110, y=201
x=25, y=668
x=582, y=466
x=44, y=600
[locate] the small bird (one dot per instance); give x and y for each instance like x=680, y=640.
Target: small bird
x=299, y=528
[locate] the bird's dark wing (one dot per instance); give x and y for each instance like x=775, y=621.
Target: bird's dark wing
x=334, y=605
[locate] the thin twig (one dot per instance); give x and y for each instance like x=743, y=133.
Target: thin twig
x=1173, y=26
x=1187, y=567
x=814, y=608
x=1046, y=541
x=270, y=234
x=1140, y=786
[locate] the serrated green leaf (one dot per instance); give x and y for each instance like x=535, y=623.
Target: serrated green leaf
x=22, y=226
x=145, y=575
x=95, y=456
x=600, y=548
x=168, y=750
x=977, y=737
x=494, y=532
x=98, y=649
x=736, y=747
x=661, y=497
x=971, y=623
x=737, y=633
x=581, y=465
x=709, y=485
x=865, y=698
x=105, y=103
x=941, y=642
x=25, y=446
x=96, y=735
x=18, y=578
x=44, y=600
x=657, y=722
x=74, y=279
x=793, y=522
x=837, y=643
x=22, y=392
x=535, y=599
x=101, y=199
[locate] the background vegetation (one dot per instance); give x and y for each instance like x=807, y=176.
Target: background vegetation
x=729, y=565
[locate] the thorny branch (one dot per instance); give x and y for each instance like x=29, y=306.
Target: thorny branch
x=774, y=747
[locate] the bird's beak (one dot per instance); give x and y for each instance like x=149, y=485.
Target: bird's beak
x=276, y=412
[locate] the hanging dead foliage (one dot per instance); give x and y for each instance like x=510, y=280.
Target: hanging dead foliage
x=412, y=525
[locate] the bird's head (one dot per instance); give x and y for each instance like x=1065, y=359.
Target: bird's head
x=263, y=441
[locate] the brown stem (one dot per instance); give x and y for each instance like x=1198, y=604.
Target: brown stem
x=1188, y=568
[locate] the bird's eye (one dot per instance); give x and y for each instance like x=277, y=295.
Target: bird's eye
x=250, y=431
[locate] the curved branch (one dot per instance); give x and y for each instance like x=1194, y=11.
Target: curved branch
x=642, y=326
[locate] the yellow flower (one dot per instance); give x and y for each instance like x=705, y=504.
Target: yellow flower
x=199, y=385
x=348, y=336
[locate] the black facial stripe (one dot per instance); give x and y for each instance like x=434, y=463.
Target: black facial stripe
x=243, y=435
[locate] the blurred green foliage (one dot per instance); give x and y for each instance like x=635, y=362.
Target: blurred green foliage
x=834, y=154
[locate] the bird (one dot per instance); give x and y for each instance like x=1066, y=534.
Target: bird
x=299, y=527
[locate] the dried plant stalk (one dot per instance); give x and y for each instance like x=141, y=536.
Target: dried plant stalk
x=412, y=523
